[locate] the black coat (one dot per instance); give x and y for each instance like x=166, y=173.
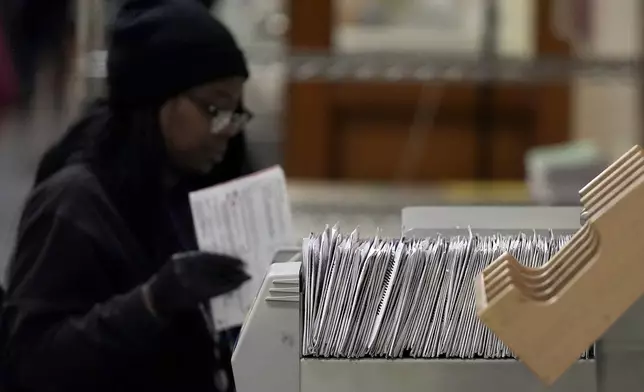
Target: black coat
x=73, y=317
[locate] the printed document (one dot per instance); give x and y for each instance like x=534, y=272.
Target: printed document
x=249, y=218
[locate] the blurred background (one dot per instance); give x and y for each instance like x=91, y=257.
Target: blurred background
x=373, y=105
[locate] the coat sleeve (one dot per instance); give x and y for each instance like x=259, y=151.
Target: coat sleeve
x=58, y=335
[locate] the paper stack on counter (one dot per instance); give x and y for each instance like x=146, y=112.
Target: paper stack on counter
x=555, y=174
x=249, y=218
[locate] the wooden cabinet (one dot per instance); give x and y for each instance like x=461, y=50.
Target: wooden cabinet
x=371, y=131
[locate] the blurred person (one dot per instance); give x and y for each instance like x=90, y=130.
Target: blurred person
x=41, y=32
x=8, y=84
x=106, y=290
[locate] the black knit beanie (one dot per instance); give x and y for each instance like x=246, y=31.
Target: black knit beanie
x=161, y=48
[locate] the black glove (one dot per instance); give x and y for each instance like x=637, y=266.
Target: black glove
x=191, y=278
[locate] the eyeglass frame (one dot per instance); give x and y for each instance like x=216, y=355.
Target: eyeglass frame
x=238, y=118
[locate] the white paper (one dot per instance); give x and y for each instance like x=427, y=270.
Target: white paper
x=249, y=218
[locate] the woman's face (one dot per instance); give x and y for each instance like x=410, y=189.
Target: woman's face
x=197, y=125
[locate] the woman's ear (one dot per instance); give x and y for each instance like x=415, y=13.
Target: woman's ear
x=167, y=113
x=164, y=115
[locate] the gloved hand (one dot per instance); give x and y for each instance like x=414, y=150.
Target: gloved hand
x=191, y=278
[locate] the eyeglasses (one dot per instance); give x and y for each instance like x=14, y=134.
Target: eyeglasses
x=222, y=119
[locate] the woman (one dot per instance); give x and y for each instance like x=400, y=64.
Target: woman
x=105, y=291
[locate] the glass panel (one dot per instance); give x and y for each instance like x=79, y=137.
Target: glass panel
x=454, y=26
